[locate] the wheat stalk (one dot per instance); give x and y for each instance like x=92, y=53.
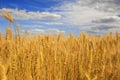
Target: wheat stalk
x=8, y=16
x=2, y=72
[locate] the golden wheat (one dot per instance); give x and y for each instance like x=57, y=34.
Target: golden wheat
x=2, y=72
x=8, y=16
x=59, y=57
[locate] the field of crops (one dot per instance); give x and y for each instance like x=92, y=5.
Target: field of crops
x=59, y=57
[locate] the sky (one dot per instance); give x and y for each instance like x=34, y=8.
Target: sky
x=63, y=16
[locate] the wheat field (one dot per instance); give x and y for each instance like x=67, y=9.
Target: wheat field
x=59, y=57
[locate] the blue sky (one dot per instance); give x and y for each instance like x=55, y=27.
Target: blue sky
x=63, y=16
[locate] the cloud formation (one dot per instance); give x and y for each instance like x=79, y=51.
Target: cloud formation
x=107, y=19
x=79, y=14
x=24, y=15
x=101, y=15
x=45, y=31
x=103, y=5
x=91, y=16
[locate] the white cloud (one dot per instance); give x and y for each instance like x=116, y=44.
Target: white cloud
x=99, y=14
x=108, y=23
x=32, y=26
x=34, y=32
x=53, y=30
x=103, y=5
x=53, y=23
x=107, y=19
x=77, y=14
x=37, y=32
x=48, y=23
x=45, y=31
x=24, y=15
